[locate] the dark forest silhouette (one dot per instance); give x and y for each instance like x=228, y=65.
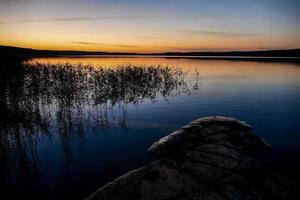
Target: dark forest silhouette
x=16, y=53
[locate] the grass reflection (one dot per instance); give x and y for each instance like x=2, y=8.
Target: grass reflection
x=62, y=101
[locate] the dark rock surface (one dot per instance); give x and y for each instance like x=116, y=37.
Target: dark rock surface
x=211, y=158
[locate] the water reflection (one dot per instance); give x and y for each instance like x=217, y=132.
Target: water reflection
x=66, y=129
x=46, y=101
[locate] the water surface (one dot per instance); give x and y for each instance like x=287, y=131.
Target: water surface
x=67, y=129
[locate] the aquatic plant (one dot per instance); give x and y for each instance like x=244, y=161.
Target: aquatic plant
x=41, y=101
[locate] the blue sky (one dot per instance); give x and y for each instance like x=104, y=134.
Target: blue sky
x=142, y=26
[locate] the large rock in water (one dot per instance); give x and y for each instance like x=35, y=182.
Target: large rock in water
x=211, y=158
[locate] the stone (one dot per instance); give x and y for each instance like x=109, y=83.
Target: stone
x=210, y=158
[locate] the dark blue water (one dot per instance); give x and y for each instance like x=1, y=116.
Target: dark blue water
x=69, y=145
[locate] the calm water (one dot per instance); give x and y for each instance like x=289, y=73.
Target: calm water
x=66, y=130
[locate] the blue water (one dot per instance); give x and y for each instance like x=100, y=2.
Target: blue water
x=76, y=163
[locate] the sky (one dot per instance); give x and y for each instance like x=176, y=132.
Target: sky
x=150, y=26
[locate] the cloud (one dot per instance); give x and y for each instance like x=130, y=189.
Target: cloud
x=218, y=33
x=104, y=44
x=195, y=49
x=66, y=19
x=149, y=37
x=56, y=19
x=2, y=22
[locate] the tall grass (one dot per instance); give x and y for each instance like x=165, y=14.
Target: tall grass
x=40, y=101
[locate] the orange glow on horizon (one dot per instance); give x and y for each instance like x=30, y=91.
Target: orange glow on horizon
x=51, y=37
x=163, y=46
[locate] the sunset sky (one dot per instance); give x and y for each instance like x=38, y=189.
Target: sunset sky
x=150, y=26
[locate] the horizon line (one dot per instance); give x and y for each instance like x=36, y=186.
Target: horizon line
x=163, y=52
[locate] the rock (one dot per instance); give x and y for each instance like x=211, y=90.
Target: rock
x=210, y=158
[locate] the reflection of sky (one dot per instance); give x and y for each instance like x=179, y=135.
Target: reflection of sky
x=260, y=93
x=143, y=26
x=264, y=94
x=206, y=68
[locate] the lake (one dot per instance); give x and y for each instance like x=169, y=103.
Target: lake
x=70, y=125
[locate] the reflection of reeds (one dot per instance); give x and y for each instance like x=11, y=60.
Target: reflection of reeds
x=66, y=86
x=37, y=100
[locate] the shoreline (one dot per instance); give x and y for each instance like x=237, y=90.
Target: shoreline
x=280, y=55
x=229, y=58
